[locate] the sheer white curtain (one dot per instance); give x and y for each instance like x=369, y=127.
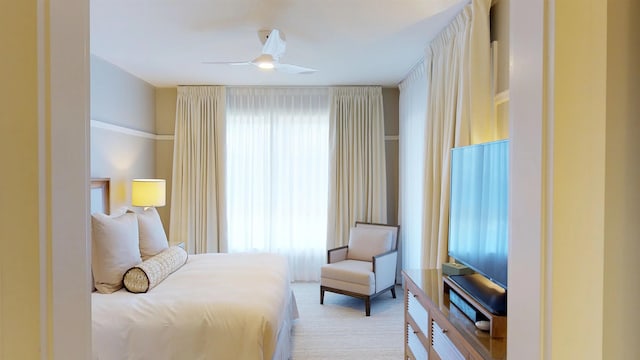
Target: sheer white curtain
x=459, y=111
x=358, y=182
x=277, y=174
x=413, y=114
x=197, y=195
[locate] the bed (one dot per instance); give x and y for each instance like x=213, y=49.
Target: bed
x=215, y=306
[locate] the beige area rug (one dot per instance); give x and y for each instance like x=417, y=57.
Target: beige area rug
x=340, y=330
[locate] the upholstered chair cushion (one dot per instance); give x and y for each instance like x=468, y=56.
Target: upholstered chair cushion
x=393, y=229
x=364, y=243
x=350, y=275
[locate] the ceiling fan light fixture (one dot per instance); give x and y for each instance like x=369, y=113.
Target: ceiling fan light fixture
x=269, y=59
x=264, y=61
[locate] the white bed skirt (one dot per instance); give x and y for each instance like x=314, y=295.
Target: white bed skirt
x=284, y=346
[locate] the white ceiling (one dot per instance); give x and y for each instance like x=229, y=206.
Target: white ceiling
x=350, y=42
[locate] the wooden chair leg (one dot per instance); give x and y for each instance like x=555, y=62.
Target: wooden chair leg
x=367, y=306
x=321, y=296
x=393, y=291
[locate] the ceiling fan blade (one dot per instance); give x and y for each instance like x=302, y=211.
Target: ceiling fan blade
x=227, y=62
x=293, y=69
x=274, y=45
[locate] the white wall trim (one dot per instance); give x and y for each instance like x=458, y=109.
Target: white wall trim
x=529, y=33
x=147, y=135
x=128, y=131
x=66, y=142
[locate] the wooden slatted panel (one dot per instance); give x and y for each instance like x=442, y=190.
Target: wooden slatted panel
x=418, y=313
x=415, y=345
x=443, y=345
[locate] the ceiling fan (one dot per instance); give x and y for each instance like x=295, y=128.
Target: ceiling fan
x=272, y=50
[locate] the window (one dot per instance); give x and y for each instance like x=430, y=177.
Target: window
x=277, y=174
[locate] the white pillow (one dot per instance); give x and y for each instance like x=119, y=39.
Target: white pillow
x=151, y=272
x=153, y=239
x=364, y=243
x=114, y=249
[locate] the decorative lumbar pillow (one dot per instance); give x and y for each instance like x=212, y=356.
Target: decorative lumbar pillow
x=151, y=272
x=364, y=243
x=153, y=239
x=114, y=249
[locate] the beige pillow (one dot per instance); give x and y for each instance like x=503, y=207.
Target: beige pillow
x=151, y=272
x=153, y=239
x=114, y=249
x=364, y=243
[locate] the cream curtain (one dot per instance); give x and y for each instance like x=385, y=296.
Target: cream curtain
x=198, y=190
x=357, y=170
x=449, y=105
x=460, y=113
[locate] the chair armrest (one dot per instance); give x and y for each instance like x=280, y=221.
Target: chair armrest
x=337, y=254
x=384, y=268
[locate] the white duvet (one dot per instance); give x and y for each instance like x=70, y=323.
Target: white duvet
x=216, y=306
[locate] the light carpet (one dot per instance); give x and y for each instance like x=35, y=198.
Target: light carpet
x=339, y=329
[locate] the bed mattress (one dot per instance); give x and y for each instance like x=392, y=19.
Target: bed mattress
x=216, y=306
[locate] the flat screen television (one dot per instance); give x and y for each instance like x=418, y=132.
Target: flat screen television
x=478, y=219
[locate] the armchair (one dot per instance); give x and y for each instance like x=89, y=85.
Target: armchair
x=366, y=267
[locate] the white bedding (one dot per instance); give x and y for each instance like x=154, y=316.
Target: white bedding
x=217, y=306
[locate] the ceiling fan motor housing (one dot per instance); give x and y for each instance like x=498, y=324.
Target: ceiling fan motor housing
x=263, y=35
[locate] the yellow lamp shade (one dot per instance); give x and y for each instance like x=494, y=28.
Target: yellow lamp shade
x=148, y=192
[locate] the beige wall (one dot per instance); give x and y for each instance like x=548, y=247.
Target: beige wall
x=165, y=125
x=575, y=225
x=391, y=98
x=20, y=315
x=500, y=33
x=622, y=181
x=121, y=99
x=578, y=168
x=44, y=269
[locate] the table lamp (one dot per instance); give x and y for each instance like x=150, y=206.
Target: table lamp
x=148, y=192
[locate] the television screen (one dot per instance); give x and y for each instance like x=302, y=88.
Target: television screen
x=478, y=224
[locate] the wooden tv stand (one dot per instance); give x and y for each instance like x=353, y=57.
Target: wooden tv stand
x=435, y=329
